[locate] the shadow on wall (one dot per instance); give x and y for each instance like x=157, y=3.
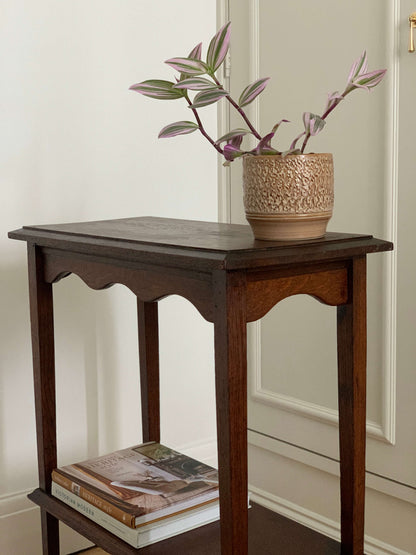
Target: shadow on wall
x=97, y=374
x=85, y=363
x=17, y=445
x=89, y=365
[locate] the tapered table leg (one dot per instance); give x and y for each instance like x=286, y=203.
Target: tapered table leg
x=231, y=396
x=149, y=369
x=41, y=316
x=352, y=346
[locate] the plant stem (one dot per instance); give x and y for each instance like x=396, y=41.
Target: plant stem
x=237, y=107
x=201, y=127
x=324, y=116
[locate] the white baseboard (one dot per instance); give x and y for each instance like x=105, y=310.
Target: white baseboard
x=206, y=452
x=15, y=503
x=317, y=522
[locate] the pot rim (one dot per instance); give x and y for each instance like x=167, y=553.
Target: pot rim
x=309, y=154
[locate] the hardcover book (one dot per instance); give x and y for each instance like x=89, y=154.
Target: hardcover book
x=145, y=534
x=141, y=484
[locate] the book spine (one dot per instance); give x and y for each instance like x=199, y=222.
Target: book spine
x=130, y=536
x=95, y=500
x=144, y=535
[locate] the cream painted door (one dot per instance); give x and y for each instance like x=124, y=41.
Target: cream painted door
x=307, y=49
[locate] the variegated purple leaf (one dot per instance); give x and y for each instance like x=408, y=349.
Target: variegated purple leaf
x=231, y=134
x=291, y=151
x=252, y=91
x=264, y=146
x=189, y=66
x=196, y=84
x=236, y=141
x=218, y=47
x=195, y=54
x=157, y=88
x=295, y=140
x=358, y=67
x=333, y=99
x=277, y=125
x=205, y=98
x=268, y=150
x=232, y=152
x=369, y=80
x=313, y=123
x=178, y=128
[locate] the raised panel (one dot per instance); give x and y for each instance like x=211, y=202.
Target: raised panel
x=306, y=58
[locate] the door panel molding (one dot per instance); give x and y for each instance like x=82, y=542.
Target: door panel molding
x=384, y=430
x=391, y=230
x=293, y=404
x=224, y=125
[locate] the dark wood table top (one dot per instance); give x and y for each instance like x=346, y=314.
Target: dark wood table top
x=186, y=243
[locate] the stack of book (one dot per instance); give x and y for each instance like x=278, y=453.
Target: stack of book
x=142, y=494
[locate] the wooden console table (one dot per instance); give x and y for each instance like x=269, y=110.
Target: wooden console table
x=231, y=279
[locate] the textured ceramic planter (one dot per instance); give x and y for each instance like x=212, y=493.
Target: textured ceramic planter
x=288, y=198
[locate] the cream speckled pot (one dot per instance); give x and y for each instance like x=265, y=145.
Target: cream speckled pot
x=288, y=198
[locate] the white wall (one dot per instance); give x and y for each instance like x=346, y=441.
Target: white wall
x=77, y=145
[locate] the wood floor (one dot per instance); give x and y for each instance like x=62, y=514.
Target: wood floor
x=93, y=551
x=294, y=539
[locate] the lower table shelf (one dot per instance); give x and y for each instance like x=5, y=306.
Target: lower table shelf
x=269, y=533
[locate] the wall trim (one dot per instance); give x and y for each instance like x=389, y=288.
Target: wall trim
x=329, y=465
x=223, y=125
x=15, y=503
x=20, y=527
x=391, y=187
x=317, y=522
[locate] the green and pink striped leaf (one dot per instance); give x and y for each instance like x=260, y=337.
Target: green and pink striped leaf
x=205, y=98
x=252, y=91
x=232, y=150
x=218, y=47
x=178, y=128
x=369, y=80
x=359, y=67
x=232, y=135
x=264, y=146
x=189, y=66
x=293, y=144
x=196, y=54
x=313, y=123
x=291, y=151
x=157, y=88
x=333, y=100
x=195, y=84
x=278, y=124
x=359, y=76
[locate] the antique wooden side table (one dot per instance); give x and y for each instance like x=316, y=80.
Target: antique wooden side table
x=231, y=279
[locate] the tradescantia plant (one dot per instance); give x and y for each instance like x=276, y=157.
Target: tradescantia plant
x=199, y=77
